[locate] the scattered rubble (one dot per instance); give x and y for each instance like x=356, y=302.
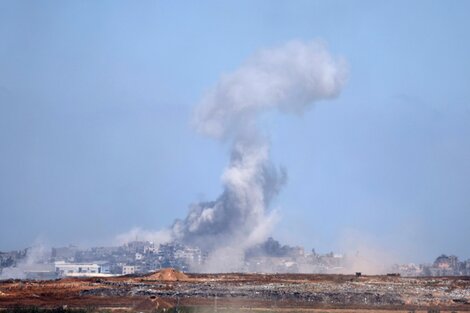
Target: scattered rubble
x=283, y=290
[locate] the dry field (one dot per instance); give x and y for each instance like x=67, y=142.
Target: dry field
x=244, y=292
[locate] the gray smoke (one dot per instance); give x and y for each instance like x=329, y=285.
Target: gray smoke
x=240, y=212
x=36, y=259
x=289, y=78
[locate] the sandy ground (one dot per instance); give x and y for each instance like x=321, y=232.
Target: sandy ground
x=244, y=292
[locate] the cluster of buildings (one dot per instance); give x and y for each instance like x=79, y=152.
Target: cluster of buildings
x=272, y=257
x=136, y=257
x=132, y=258
x=9, y=259
x=139, y=257
x=444, y=265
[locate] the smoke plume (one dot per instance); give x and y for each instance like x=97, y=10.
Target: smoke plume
x=36, y=259
x=289, y=78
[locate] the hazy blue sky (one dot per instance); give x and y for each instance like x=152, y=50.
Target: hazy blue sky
x=96, y=98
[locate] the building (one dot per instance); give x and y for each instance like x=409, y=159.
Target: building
x=128, y=269
x=76, y=269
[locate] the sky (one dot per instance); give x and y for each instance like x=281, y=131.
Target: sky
x=96, y=99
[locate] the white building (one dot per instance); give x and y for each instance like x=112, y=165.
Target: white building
x=191, y=255
x=128, y=269
x=76, y=269
x=150, y=249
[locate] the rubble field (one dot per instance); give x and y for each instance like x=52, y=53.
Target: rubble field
x=279, y=292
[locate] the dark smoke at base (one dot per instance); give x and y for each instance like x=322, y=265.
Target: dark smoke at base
x=239, y=214
x=288, y=78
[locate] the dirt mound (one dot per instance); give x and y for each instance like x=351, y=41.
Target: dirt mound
x=167, y=274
